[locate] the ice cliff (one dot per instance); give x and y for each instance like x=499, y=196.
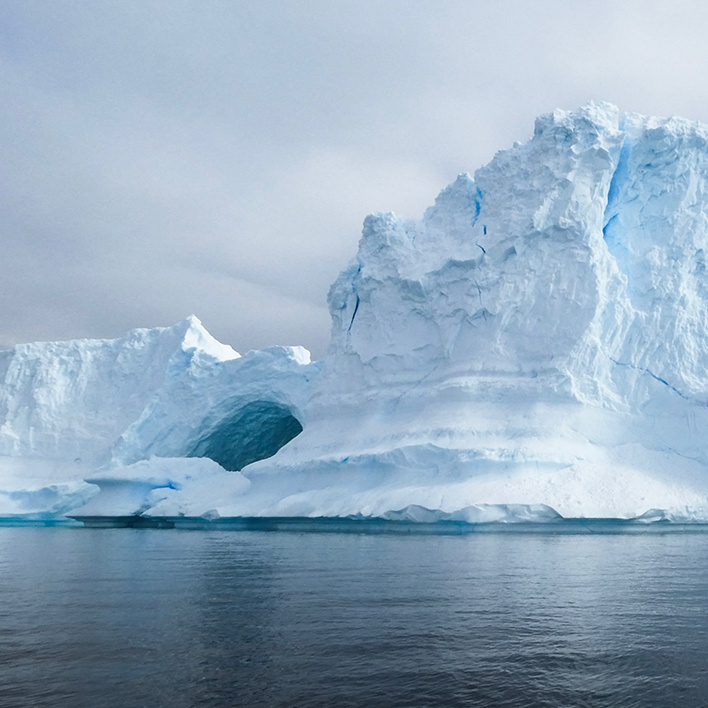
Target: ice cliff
x=536, y=345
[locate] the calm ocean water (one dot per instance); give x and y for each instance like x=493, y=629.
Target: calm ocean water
x=125, y=618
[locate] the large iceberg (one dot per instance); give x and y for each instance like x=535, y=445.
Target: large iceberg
x=535, y=346
x=540, y=337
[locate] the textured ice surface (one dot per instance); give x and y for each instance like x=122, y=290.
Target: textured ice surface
x=536, y=345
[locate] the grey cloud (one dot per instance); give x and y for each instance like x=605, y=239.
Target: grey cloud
x=164, y=158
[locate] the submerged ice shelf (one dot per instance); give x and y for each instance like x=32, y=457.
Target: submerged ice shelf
x=536, y=345
x=378, y=525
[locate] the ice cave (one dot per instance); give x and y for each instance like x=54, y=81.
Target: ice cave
x=253, y=432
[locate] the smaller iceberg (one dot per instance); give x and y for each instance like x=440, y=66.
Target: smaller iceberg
x=69, y=410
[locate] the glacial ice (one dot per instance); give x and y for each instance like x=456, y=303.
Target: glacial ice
x=536, y=345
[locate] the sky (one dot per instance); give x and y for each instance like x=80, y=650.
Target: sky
x=160, y=158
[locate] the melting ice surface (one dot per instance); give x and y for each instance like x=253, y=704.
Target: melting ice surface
x=536, y=346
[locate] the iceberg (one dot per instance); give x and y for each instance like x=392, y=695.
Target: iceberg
x=71, y=409
x=534, y=348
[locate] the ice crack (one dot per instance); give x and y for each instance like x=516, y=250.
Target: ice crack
x=653, y=375
x=356, y=309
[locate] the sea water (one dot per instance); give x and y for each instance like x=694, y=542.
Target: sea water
x=143, y=617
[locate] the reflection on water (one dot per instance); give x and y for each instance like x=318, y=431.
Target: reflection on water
x=153, y=618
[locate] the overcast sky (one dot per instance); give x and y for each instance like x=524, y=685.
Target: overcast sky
x=164, y=158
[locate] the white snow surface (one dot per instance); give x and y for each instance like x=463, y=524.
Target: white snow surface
x=536, y=345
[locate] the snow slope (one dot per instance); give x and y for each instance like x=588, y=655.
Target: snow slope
x=68, y=409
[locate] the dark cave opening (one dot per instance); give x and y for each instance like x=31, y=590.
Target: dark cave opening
x=253, y=432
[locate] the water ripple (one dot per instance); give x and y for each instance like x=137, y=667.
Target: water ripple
x=149, y=618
